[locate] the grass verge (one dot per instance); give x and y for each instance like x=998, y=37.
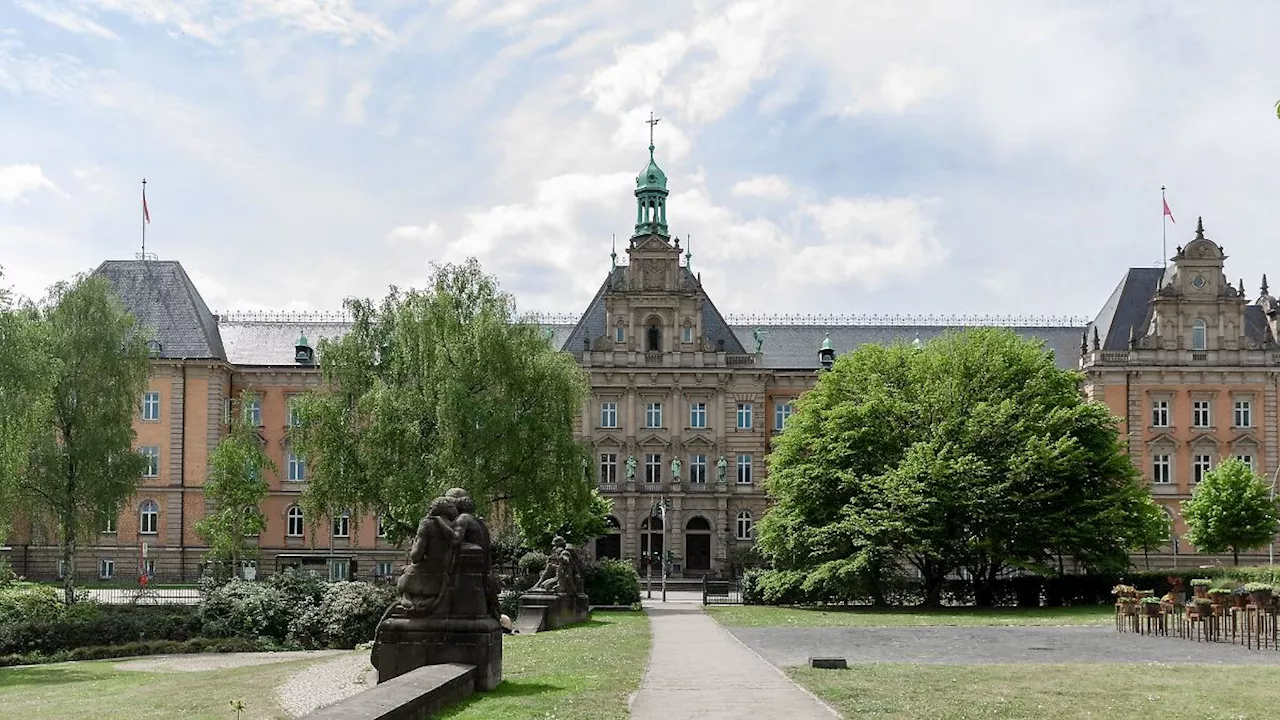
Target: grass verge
x=98, y=690
x=769, y=616
x=585, y=672
x=1045, y=692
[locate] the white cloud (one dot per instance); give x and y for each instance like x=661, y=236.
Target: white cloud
x=16, y=181
x=765, y=187
x=868, y=241
x=353, y=107
x=67, y=19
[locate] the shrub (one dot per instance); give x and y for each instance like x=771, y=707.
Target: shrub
x=532, y=564
x=7, y=575
x=509, y=602
x=134, y=649
x=246, y=609
x=611, y=582
x=91, y=624
x=30, y=602
x=346, y=616
x=299, y=589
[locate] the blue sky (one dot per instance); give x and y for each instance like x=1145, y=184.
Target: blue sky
x=987, y=157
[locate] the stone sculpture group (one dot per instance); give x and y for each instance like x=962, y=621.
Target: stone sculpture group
x=558, y=597
x=447, y=609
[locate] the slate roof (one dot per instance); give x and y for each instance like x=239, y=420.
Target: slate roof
x=795, y=347
x=163, y=298
x=592, y=323
x=268, y=342
x=1130, y=307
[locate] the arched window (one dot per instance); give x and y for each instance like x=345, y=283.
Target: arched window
x=149, y=518
x=1198, y=335
x=697, y=523
x=744, y=525
x=653, y=338
x=253, y=521
x=294, y=526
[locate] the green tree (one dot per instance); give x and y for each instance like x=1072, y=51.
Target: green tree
x=1231, y=509
x=440, y=388
x=235, y=490
x=974, y=452
x=84, y=465
x=1150, y=528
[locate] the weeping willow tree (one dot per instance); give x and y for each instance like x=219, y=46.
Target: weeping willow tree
x=440, y=388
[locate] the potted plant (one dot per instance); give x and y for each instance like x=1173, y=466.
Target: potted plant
x=1150, y=606
x=1200, y=586
x=1176, y=595
x=1218, y=596
x=1241, y=597
x=1124, y=591
x=1259, y=593
x=1128, y=605
x=1202, y=606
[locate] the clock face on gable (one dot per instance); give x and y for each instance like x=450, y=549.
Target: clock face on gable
x=1199, y=282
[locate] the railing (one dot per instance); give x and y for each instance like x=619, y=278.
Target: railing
x=653, y=358
x=608, y=487
x=1199, y=356
x=721, y=592
x=144, y=596
x=740, y=359
x=1115, y=356
x=921, y=320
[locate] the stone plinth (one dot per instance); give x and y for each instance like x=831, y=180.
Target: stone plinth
x=555, y=611
x=405, y=644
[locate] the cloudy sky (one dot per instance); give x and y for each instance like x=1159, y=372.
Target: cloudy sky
x=903, y=156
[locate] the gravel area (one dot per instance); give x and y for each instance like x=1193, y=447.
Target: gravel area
x=989, y=645
x=327, y=682
x=218, y=661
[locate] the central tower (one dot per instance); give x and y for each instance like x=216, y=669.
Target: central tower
x=651, y=194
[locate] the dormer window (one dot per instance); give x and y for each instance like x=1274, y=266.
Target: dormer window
x=154, y=348
x=302, y=352
x=686, y=334
x=619, y=334
x=1198, y=335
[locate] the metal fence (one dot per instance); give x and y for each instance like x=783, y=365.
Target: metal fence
x=721, y=592
x=144, y=596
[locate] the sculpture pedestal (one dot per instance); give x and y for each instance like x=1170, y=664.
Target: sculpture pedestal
x=551, y=611
x=407, y=643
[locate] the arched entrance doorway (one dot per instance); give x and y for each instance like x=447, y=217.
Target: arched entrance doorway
x=610, y=544
x=651, y=543
x=697, y=545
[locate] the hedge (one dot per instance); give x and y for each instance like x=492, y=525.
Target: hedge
x=611, y=582
x=134, y=649
x=92, y=624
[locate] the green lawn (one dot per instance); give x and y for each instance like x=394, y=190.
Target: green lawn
x=768, y=616
x=581, y=672
x=1046, y=692
x=97, y=690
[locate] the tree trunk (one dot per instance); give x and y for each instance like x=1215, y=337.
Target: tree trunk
x=933, y=591
x=69, y=562
x=1146, y=557
x=1235, y=555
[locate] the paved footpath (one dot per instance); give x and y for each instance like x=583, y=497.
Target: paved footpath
x=698, y=670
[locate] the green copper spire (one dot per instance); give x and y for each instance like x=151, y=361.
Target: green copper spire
x=826, y=342
x=651, y=194
x=613, y=255
x=688, y=253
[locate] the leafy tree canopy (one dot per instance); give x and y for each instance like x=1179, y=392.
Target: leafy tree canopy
x=83, y=465
x=1231, y=509
x=235, y=490
x=440, y=388
x=974, y=452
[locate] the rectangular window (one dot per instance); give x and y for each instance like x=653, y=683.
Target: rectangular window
x=382, y=529
x=297, y=468
x=1246, y=459
x=744, y=469
x=293, y=527
x=386, y=568
x=619, y=334
x=1160, y=470
x=152, y=455
x=226, y=411
x=151, y=406
x=698, y=469
x=253, y=410
x=1160, y=413
x=698, y=415
x=295, y=417
x=686, y=334
x=339, y=570
x=653, y=415
x=62, y=569
x=1200, y=466
x=652, y=467
x=149, y=568
x=609, y=414
x=608, y=467
x=108, y=523
x=1244, y=414
x=106, y=569
x=342, y=526
x=1200, y=414
x=781, y=412
x=744, y=416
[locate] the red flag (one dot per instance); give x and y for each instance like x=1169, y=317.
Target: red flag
x=1167, y=211
x=147, y=216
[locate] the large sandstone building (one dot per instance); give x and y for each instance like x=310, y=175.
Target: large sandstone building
x=684, y=404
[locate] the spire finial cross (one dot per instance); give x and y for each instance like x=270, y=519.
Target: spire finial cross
x=651, y=122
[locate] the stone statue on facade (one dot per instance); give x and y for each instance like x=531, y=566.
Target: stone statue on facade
x=721, y=466
x=631, y=467
x=759, y=334
x=675, y=469
x=447, y=605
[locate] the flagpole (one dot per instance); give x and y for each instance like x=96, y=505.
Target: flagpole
x=144, y=218
x=1164, y=242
